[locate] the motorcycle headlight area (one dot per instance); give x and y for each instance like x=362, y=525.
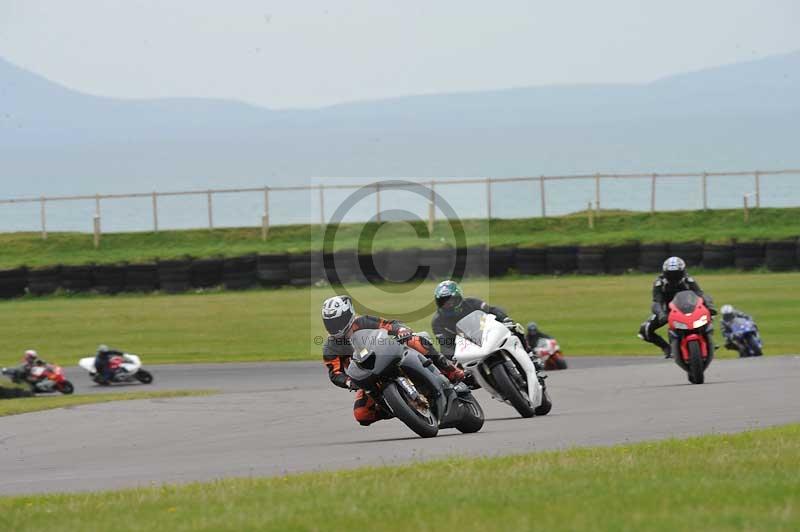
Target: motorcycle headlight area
x=699, y=323
x=365, y=358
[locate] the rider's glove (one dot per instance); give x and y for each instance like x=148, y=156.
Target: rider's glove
x=513, y=326
x=404, y=334
x=351, y=385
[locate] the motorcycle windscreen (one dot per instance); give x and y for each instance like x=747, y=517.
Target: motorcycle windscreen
x=741, y=326
x=369, y=343
x=471, y=327
x=685, y=301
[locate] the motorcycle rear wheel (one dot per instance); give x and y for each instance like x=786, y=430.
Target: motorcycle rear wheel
x=506, y=386
x=65, y=387
x=696, y=375
x=473, y=418
x=561, y=363
x=402, y=409
x=144, y=376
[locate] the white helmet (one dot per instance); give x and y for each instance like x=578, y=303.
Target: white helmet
x=727, y=312
x=31, y=356
x=674, y=269
x=338, y=315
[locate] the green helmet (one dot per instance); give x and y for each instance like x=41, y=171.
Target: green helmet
x=448, y=296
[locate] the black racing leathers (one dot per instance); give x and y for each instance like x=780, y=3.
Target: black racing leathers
x=444, y=322
x=663, y=293
x=336, y=352
x=726, y=326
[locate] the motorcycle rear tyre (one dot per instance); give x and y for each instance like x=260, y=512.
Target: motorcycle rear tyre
x=510, y=391
x=561, y=363
x=408, y=415
x=473, y=419
x=65, y=387
x=144, y=376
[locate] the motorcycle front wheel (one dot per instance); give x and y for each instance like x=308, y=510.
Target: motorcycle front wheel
x=754, y=348
x=696, y=375
x=404, y=409
x=506, y=386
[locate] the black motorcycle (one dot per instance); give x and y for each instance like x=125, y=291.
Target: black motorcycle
x=407, y=384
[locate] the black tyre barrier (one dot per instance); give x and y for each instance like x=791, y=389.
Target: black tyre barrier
x=717, y=256
x=273, y=270
x=305, y=268
x=591, y=259
x=174, y=275
x=13, y=282
x=652, y=257
x=781, y=255
x=562, y=259
x=205, y=273
x=530, y=261
x=341, y=267
x=399, y=266
x=45, y=281
x=690, y=252
x=501, y=260
x=440, y=262
x=623, y=258
x=748, y=255
x=13, y=393
x=367, y=270
x=240, y=273
x=474, y=261
x=76, y=278
x=108, y=279
x=141, y=278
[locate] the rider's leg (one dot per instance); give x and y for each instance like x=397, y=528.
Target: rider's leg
x=648, y=334
x=364, y=409
x=448, y=368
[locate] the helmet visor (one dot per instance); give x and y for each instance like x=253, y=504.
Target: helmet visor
x=449, y=302
x=339, y=325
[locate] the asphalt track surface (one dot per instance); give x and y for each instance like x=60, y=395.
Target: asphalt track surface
x=278, y=418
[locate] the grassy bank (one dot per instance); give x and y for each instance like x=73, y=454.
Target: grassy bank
x=723, y=482
x=610, y=228
x=10, y=407
x=597, y=315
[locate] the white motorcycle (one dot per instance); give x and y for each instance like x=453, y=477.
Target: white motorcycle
x=125, y=368
x=497, y=361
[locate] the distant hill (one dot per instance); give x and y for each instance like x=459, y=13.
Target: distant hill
x=53, y=139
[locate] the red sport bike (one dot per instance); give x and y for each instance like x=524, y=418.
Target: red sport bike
x=43, y=378
x=690, y=334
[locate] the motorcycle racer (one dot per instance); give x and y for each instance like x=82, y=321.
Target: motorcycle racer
x=452, y=306
x=673, y=279
x=29, y=360
x=341, y=321
x=101, y=362
x=728, y=315
x=533, y=334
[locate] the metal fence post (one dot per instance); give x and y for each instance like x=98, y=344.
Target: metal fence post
x=597, y=191
x=541, y=194
x=705, y=191
x=758, y=189
x=265, y=217
x=653, y=194
x=322, y=205
x=210, y=211
x=96, y=221
x=591, y=215
x=746, y=210
x=378, y=201
x=43, y=216
x=155, y=212
x=432, y=208
x=488, y=198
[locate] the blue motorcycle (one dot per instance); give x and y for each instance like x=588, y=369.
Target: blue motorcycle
x=744, y=336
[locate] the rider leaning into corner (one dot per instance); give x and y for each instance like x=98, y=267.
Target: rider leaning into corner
x=29, y=360
x=452, y=306
x=102, y=362
x=673, y=279
x=728, y=315
x=341, y=321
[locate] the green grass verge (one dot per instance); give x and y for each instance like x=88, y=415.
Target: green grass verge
x=10, y=407
x=596, y=315
x=744, y=481
x=611, y=227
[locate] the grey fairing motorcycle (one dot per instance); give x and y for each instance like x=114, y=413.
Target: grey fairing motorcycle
x=407, y=384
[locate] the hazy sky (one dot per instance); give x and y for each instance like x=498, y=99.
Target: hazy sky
x=311, y=53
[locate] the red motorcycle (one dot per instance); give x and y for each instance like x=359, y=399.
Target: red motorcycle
x=45, y=378
x=549, y=352
x=690, y=334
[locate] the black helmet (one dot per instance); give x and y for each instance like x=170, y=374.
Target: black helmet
x=533, y=329
x=674, y=269
x=448, y=296
x=338, y=315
